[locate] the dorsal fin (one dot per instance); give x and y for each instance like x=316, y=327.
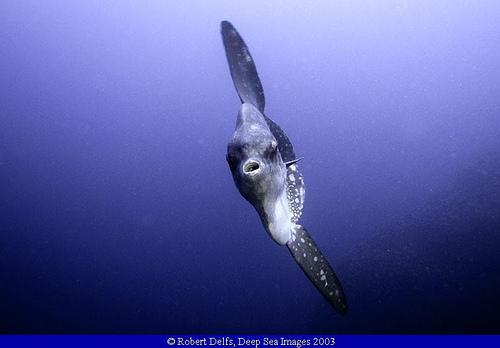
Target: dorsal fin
x=242, y=67
x=247, y=83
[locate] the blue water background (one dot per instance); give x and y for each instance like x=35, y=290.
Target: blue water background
x=117, y=209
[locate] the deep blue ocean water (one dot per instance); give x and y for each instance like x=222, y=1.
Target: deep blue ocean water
x=118, y=212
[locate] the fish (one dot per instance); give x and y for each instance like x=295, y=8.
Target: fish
x=265, y=171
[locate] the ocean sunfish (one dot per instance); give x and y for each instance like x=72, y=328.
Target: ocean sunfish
x=264, y=168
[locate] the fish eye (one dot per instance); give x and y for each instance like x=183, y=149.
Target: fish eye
x=272, y=148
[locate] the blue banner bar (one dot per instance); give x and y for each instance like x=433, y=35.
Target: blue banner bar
x=166, y=341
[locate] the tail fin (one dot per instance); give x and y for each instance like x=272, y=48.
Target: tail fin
x=242, y=67
x=317, y=269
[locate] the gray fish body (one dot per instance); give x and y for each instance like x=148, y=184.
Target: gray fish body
x=264, y=169
x=259, y=172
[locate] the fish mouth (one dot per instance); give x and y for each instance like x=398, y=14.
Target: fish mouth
x=252, y=167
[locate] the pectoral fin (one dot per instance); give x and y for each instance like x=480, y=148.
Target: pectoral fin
x=307, y=254
x=289, y=163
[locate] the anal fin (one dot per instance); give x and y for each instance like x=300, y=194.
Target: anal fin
x=316, y=267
